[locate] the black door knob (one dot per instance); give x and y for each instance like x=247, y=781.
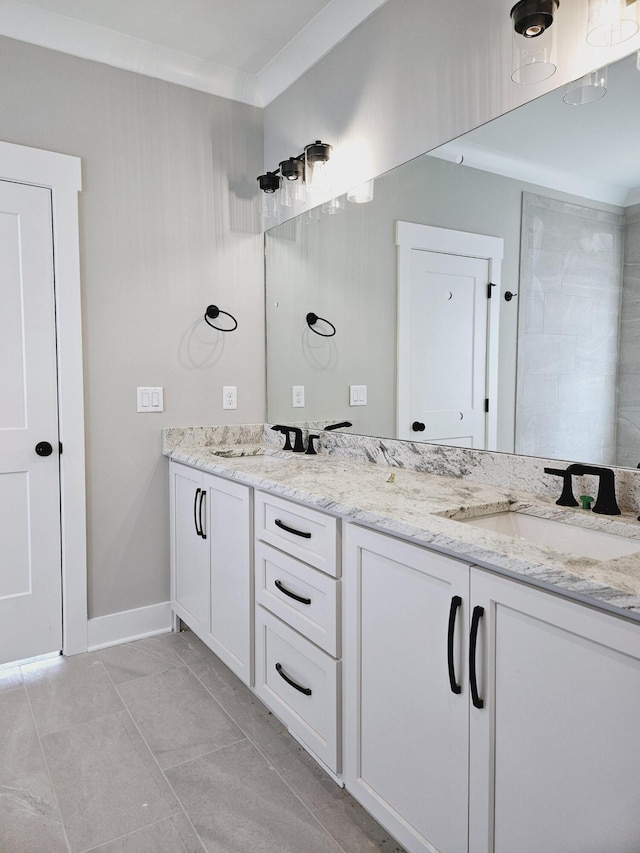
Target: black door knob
x=43, y=448
x=417, y=426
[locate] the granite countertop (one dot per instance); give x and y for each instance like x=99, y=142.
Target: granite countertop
x=424, y=508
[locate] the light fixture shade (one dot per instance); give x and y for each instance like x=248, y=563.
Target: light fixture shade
x=587, y=89
x=611, y=22
x=534, y=41
x=317, y=177
x=362, y=194
x=270, y=205
x=292, y=187
x=335, y=205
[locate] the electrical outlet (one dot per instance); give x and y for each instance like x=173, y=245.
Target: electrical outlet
x=150, y=399
x=229, y=397
x=297, y=396
x=357, y=395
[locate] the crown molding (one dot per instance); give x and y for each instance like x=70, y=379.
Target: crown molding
x=88, y=41
x=41, y=27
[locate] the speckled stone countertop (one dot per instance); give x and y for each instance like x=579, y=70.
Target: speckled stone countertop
x=423, y=507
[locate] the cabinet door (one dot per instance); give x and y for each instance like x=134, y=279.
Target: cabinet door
x=555, y=752
x=189, y=550
x=229, y=534
x=406, y=731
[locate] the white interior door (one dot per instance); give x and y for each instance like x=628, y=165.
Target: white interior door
x=447, y=335
x=30, y=561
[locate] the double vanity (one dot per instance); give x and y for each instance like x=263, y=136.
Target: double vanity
x=463, y=656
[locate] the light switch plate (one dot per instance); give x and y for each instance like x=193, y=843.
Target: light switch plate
x=230, y=397
x=357, y=395
x=150, y=399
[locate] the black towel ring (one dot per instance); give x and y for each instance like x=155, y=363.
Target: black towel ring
x=212, y=312
x=312, y=319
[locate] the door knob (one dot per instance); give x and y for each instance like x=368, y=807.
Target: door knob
x=417, y=426
x=43, y=448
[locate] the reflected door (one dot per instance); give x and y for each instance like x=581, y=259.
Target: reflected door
x=30, y=559
x=445, y=324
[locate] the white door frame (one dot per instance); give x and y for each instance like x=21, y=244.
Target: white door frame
x=410, y=236
x=61, y=174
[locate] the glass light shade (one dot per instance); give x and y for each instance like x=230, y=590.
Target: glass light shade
x=270, y=205
x=292, y=193
x=587, y=89
x=611, y=22
x=335, y=205
x=317, y=175
x=362, y=194
x=533, y=58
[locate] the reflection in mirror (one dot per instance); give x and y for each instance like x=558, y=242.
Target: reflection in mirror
x=559, y=185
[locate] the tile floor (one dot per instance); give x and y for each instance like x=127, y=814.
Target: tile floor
x=156, y=747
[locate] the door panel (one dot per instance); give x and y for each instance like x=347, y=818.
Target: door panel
x=30, y=570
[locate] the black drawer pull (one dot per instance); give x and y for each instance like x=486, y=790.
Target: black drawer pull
x=456, y=602
x=195, y=512
x=203, y=498
x=288, y=592
x=281, y=673
x=478, y=613
x=283, y=526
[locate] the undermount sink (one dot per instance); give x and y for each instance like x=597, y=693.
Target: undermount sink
x=560, y=535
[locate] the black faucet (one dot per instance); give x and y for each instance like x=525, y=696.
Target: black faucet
x=338, y=426
x=605, y=504
x=298, y=446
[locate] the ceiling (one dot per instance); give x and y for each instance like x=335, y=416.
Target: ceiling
x=587, y=150
x=247, y=50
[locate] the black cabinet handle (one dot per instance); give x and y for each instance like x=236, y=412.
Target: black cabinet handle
x=283, y=526
x=456, y=602
x=195, y=511
x=478, y=613
x=298, y=687
x=418, y=426
x=203, y=498
x=288, y=592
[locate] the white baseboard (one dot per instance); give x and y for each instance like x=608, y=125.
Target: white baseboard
x=129, y=625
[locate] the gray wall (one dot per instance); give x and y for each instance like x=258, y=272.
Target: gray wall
x=169, y=223
x=628, y=433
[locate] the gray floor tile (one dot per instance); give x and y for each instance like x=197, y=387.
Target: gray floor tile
x=238, y=803
x=135, y=660
x=159, y=838
x=10, y=678
x=178, y=718
x=20, y=752
x=355, y=830
x=67, y=691
x=103, y=788
x=29, y=817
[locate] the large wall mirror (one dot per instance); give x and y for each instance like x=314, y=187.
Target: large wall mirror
x=557, y=187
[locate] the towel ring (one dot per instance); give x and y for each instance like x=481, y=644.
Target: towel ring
x=212, y=312
x=312, y=319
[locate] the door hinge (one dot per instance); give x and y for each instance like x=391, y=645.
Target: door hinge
x=60, y=448
x=486, y=404
x=489, y=286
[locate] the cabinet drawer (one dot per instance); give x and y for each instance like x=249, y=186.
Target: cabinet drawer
x=303, y=597
x=285, y=659
x=304, y=533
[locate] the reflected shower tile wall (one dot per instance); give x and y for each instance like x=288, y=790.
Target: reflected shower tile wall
x=628, y=435
x=570, y=291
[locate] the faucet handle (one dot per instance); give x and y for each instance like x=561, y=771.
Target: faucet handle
x=567, y=497
x=311, y=447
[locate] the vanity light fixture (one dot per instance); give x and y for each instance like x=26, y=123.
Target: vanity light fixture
x=533, y=49
x=611, y=22
x=308, y=171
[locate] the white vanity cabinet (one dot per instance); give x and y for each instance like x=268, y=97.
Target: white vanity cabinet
x=297, y=591
x=211, y=563
x=542, y=754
